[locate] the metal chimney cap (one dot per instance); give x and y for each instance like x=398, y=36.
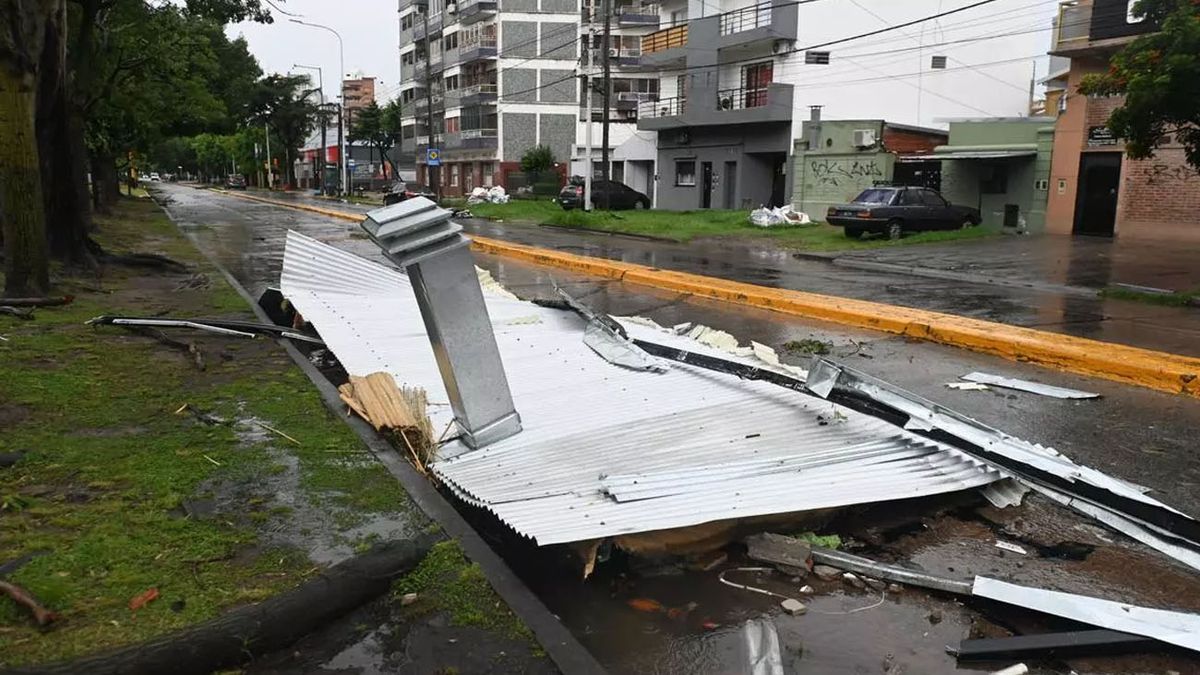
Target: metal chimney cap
x=413, y=230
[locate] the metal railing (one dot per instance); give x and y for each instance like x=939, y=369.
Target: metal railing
x=747, y=18
x=481, y=88
x=639, y=96
x=666, y=107
x=738, y=99
x=478, y=133
x=481, y=42
x=667, y=38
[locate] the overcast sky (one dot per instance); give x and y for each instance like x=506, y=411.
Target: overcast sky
x=369, y=29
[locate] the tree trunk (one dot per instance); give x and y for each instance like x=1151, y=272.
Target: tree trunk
x=106, y=183
x=62, y=150
x=26, y=267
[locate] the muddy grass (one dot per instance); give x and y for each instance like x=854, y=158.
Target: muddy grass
x=120, y=492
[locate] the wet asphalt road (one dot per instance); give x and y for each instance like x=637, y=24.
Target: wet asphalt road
x=1047, y=283
x=1139, y=435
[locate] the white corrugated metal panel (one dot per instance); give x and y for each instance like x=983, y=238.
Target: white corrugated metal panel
x=607, y=450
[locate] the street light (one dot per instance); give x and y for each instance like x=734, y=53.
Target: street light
x=342, y=118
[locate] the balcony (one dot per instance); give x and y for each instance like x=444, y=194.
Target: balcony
x=772, y=103
x=626, y=57
x=757, y=23
x=478, y=139
x=435, y=26
x=483, y=48
x=1096, y=27
x=665, y=47
x=633, y=100
x=1071, y=28
x=637, y=15
x=472, y=11
x=478, y=94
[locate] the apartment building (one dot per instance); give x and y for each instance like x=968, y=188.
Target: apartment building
x=1095, y=189
x=358, y=92
x=482, y=81
x=734, y=75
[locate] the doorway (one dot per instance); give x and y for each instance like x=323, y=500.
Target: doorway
x=706, y=185
x=1096, y=201
x=730, y=179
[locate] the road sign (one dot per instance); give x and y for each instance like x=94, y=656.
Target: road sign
x=433, y=157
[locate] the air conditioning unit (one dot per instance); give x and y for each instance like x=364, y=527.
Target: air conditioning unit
x=864, y=138
x=613, y=52
x=726, y=103
x=451, y=8
x=781, y=46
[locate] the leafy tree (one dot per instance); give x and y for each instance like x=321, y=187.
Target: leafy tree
x=282, y=103
x=537, y=159
x=21, y=207
x=380, y=127
x=1159, y=76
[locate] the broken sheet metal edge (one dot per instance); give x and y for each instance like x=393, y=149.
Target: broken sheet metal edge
x=1177, y=628
x=585, y=417
x=1028, y=385
x=924, y=414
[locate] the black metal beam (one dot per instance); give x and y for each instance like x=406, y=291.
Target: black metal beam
x=1054, y=645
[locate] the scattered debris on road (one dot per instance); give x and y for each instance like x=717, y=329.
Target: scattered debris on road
x=55, y=301
x=968, y=386
x=1011, y=547
x=1027, y=385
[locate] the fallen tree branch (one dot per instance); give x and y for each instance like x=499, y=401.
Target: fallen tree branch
x=26, y=314
x=188, y=348
x=143, y=260
x=37, y=302
x=22, y=597
x=239, y=635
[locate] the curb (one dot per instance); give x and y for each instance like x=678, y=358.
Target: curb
x=568, y=654
x=1162, y=371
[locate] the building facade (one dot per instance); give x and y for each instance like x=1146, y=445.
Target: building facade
x=358, y=93
x=735, y=78
x=482, y=81
x=835, y=160
x=1095, y=189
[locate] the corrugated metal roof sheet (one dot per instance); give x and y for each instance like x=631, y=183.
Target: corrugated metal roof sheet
x=607, y=450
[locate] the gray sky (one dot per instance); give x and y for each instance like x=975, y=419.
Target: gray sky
x=369, y=30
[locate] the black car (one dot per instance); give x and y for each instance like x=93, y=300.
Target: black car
x=896, y=210
x=605, y=194
x=399, y=192
x=235, y=181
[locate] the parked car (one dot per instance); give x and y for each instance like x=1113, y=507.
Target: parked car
x=610, y=194
x=235, y=181
x=896, y=210
x=155, y=177
x=401, y=191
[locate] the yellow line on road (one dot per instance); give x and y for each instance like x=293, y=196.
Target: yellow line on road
x=1132, y=365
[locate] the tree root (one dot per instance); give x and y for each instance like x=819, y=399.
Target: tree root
x=188, y=348
x=54, y=301
x=245, y=632
x=41, y=615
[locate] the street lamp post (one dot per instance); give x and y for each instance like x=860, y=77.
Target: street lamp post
x=324, y=150
x=341, y=122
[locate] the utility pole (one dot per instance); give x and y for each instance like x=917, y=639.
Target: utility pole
x=590, y=83
x=606, y=169
x=342, y=144
x=342, y=80
x=270, y=171
x=320, y=168
x=433, y=171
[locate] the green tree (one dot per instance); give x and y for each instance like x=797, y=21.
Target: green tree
x=380, y=127
x=282, y=102
x=537, y=159
x=1159, y=76
x=21, y=206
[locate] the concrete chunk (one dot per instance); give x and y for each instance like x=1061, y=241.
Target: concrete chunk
x=788, y=554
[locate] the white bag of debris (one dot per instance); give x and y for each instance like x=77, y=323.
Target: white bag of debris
x=478, y=196
x=777, y=216
x=497, y=195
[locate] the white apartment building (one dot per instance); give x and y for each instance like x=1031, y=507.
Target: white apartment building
x=737, y=79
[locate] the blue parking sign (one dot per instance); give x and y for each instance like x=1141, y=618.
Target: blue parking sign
x=433, y=157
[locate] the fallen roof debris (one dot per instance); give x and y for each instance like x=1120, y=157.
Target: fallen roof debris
x=1027, y=385
x=594, y=430
x=246, y=329
x=1091, y=642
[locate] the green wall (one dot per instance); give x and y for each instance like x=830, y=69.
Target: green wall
x=834, y=171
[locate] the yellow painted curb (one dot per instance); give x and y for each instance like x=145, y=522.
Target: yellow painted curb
x=355, y=217
x=1163, y=371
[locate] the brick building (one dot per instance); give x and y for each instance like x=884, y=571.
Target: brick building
x=358, y=93
x=1094, y=189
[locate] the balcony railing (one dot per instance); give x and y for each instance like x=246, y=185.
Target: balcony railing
x=747, y=18
x=741, y=98
x=484, y=42
x=666, y=107
x=481, y=88
x=667, y=38
x=477, y=133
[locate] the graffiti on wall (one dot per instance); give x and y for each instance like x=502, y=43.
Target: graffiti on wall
x=1159, y=174
x=830, y=171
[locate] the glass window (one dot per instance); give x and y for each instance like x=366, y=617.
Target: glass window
x=875, y=196
x=454, y=169
x=932, y=198
x=485, y=168
x=685, y=173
